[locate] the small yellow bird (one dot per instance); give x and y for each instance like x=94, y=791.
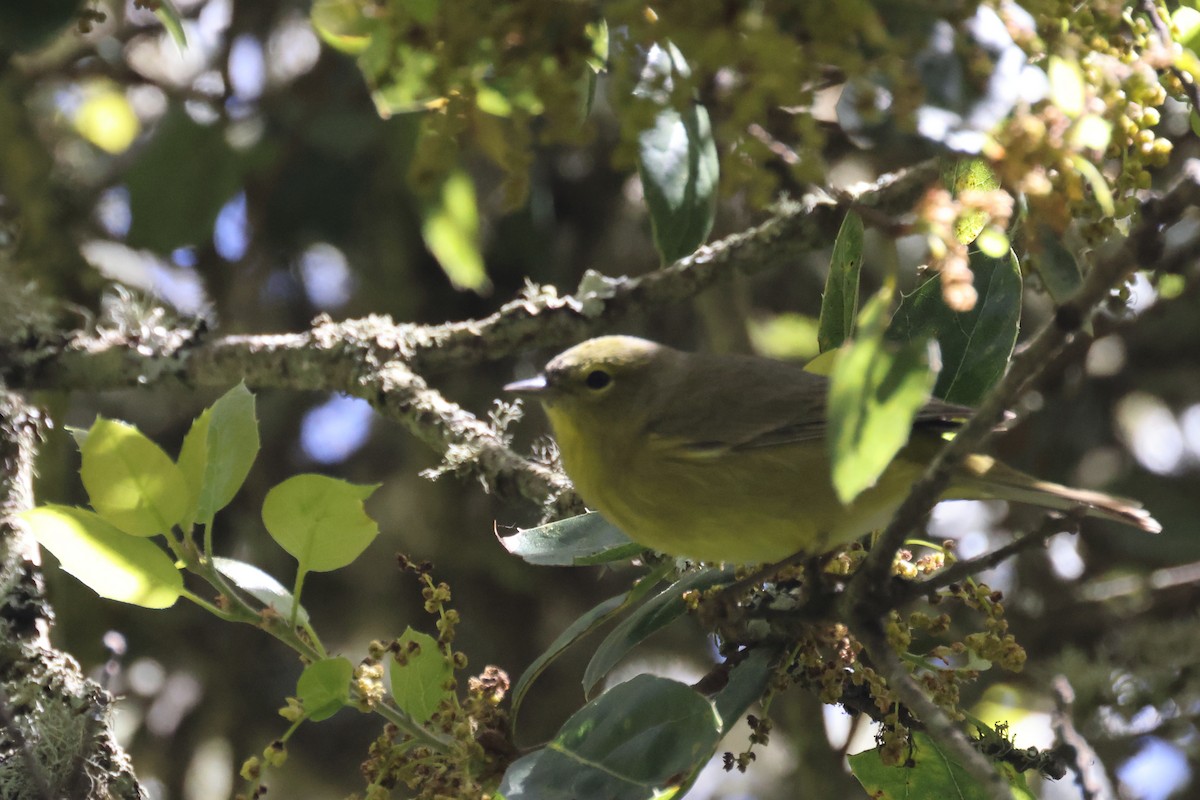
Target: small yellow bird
x=723, y=458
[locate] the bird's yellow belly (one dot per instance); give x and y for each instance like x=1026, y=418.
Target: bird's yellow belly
x=754, y=506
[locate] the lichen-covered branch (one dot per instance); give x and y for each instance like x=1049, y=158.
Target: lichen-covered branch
x=57, y=720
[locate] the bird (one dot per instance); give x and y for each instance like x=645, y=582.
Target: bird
x=724, y=458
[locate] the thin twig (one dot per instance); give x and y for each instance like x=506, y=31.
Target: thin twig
x=1086, y=764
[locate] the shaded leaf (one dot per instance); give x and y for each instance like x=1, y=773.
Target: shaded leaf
x=975, y=345
x=839, y=304
x=108, y=561
x=655, y=614
x=587, y=622
x=677, y=162
x=875, y=390
x=573, y=542
x=419, y=684
x=130, y=481
x=628, y=744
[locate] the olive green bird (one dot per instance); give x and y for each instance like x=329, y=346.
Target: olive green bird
x=723, y=458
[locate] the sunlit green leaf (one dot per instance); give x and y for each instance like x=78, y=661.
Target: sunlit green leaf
x=130, y=481
x=342, y=25
x=875, y=391
x=108, y=561
x=319, y=520
x=324, y=687
x=218, y=451
x=974, y=175
x=419, y=685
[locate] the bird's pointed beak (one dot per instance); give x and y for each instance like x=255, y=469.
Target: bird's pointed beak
x=530, y=386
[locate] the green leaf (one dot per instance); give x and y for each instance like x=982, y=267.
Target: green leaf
x=1054, y=263
x=130, y=481
x=419, y=685
x=319, y=520
x=342, y=25
x=218, y=451
x=169, y=16
x=655, y=614
x=259, y=585
x=1067, y=86
x=933, y=773
x=839, y=305
x=748, y=682
x=975, y=345
x=324, y=687
x=875, y=391
x=678, y=165
x=108, y=561
x=970, y=174
x=784, y=336
x=581, y=627
x=450, y=226
x=634, y=740
x=577, y=541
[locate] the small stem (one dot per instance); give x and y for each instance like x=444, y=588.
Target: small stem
x=407, y=725
x=299, y=584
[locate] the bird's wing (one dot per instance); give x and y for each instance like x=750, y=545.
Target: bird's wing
x=788, y=407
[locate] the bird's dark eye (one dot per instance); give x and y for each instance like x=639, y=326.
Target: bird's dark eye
x=597, y=379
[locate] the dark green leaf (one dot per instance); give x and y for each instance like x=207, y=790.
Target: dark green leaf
x=933, y=773
x=585, y=624
x=634, y=740
x=573, y=542
x=839, y=305
x=976, y=345
x=655, y=614
x=875, y=391
x=748, y=682
x=678, y=164
x=108, y=561
x=324, y=687
x=1054, y=263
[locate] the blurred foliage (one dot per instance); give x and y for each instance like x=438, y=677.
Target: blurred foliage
x=250, y=174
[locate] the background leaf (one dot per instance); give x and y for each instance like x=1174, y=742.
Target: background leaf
x=839, y=304
x=450, y=226
x=108, y=561
x=678, y=164
x=259, y=585
x=975, y=345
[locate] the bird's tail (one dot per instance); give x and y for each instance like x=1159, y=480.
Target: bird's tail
x=987, y=477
